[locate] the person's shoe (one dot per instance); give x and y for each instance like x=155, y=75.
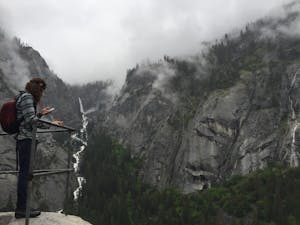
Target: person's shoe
x=22, y=213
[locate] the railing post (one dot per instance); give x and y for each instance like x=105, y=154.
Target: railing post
x=68, y=176
x=30, y=175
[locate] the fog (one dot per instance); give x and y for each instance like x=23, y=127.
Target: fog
x=90, y=40
x=14, y=68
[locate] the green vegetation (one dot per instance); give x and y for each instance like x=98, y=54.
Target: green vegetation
x=114, y=195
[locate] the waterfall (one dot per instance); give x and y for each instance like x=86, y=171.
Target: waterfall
x=82, y=138
x=293, y=160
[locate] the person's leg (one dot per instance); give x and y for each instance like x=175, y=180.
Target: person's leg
x=24, y=149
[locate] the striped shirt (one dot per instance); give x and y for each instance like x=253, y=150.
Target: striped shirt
x=26, y=110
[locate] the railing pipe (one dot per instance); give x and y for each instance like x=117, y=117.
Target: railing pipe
x=30, y=177
x=35, y=171
x=51, y=172
x=68, y=175
x=55, y=125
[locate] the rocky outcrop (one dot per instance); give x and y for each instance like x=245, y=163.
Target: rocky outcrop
x=232, y=131
x=46, y=218
x=231, y=111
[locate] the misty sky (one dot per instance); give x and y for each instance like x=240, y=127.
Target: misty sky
x=88, y=40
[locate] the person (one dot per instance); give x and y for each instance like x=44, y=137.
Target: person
x=26, y=105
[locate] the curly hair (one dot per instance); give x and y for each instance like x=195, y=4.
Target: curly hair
x=36, y=86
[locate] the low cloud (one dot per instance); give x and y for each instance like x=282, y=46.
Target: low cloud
x=162, y=73
x=93, y=40
x=14, y=69
x=284, y=21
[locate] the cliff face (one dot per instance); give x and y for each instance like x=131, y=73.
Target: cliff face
x=231, y=110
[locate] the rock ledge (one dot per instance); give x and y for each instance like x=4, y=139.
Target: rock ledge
x=46, y=218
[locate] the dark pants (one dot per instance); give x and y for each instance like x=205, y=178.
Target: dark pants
x=24, y=149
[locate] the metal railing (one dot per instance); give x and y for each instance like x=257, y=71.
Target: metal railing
x=36, y=173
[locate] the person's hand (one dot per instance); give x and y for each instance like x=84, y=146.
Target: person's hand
x=46, y=110
x=58, y=122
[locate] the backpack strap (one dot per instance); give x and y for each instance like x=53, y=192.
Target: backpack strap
x=19, y=95
x=17, y=98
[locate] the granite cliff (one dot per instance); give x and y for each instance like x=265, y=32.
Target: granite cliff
x=230, y=110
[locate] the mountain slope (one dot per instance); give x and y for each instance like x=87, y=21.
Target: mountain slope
x=230, y=110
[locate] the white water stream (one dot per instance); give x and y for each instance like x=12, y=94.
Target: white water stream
x=293, y=160
x=82, y=138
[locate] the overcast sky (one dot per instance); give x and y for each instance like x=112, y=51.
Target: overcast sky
x=88, y=40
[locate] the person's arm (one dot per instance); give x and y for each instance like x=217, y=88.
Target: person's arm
x=45, y=111
x=28, y=111
x=27, y=108
x=29, y=115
